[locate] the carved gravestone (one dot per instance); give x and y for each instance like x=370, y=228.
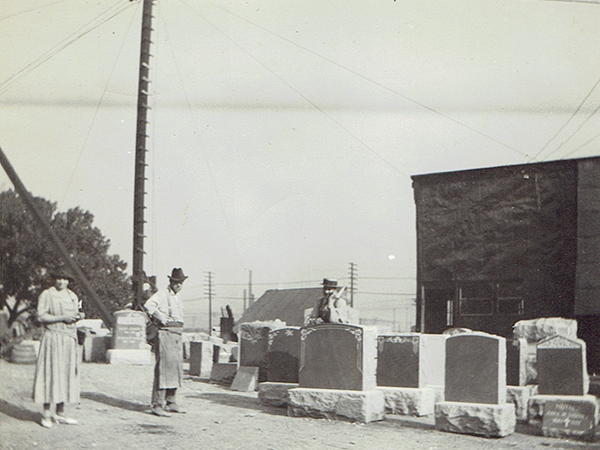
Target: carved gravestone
x=130, y=330
x=516, y=362
x=338, y=356
x=283, y=355
x=254, y=343
x=398, y=361
x=476, y=369
x=562, y=367
x=411, y=360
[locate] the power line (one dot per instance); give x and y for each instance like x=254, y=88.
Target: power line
x=6, y=84
x=422, y=105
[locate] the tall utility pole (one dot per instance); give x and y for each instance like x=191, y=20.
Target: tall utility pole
x=209, y=293
x=250, y=294
x=140, y=157
x=352, y=283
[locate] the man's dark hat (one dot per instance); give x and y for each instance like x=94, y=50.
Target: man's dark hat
x=177, y=275
x=327, y=283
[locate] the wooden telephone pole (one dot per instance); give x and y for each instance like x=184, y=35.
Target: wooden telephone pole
x=138, y=277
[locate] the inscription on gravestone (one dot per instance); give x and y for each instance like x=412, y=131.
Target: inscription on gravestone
x=561, y=366
x=283, y=356
x=338, y=356
x=398, y=361
x=130, y=330
x=476, y=369
x=568, y=418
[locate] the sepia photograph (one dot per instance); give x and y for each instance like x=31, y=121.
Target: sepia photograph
x=300, y=225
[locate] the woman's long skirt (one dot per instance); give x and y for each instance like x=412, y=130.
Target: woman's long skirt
x=57, y=370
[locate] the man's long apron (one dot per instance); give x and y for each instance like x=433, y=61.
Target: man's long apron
x=169, y=363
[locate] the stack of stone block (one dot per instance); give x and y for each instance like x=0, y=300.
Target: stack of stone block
x=283, y=364
x=337, y=374
x=563, y=406
x=475, y=387
x=410, y=372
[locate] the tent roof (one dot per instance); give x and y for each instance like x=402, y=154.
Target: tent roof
x=287, y=305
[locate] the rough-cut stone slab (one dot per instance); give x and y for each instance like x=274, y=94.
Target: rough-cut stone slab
x=245, y=380
x=519, y=396
x=338, y=356
x=475, y=418
x=535, y=330
x=408, y=401
x=360, y=406
x=223, y=373
x=129, y=356
x=274, y=394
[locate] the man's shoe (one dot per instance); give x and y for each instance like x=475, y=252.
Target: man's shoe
x=158, y=411
x=174, y=408
x=64, y=420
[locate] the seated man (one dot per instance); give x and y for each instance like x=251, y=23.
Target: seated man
x=330, y=308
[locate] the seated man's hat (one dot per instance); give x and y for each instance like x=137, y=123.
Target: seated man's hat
x=328, y=283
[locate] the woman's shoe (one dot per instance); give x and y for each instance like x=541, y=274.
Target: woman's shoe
x=46, y=422
x=64, y=420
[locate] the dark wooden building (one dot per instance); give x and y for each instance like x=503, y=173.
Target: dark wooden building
x=503, y=244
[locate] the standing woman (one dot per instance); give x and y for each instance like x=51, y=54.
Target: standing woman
x=57, y=372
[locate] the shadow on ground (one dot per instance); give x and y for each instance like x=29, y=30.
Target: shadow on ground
x=18, y=412
x=238, y=401
x=116, y=402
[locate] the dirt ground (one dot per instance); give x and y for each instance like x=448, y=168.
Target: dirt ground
x=114, y=414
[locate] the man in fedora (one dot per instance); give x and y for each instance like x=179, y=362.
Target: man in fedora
x=331, y=307
x=166, y=312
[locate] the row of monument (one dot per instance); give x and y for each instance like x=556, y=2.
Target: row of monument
x=472, y=382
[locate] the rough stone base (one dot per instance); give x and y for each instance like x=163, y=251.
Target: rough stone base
x=129, y=356
x=274, y=394
x=223, y=373
x=475, y=418
x=519, y=396
x=438, y=392
x=408, y=401
x=360, y=406
x=578, y=415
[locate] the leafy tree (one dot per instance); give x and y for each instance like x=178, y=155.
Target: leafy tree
x=27, y=256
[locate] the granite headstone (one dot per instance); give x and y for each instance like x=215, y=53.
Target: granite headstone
x=562, y=366
x=398, y=360
x=476, y=369
x=338, y=356
x=283, y=355
x=130, y=330
x=254, y=344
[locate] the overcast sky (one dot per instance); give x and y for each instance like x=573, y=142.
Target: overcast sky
x=283, y=134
